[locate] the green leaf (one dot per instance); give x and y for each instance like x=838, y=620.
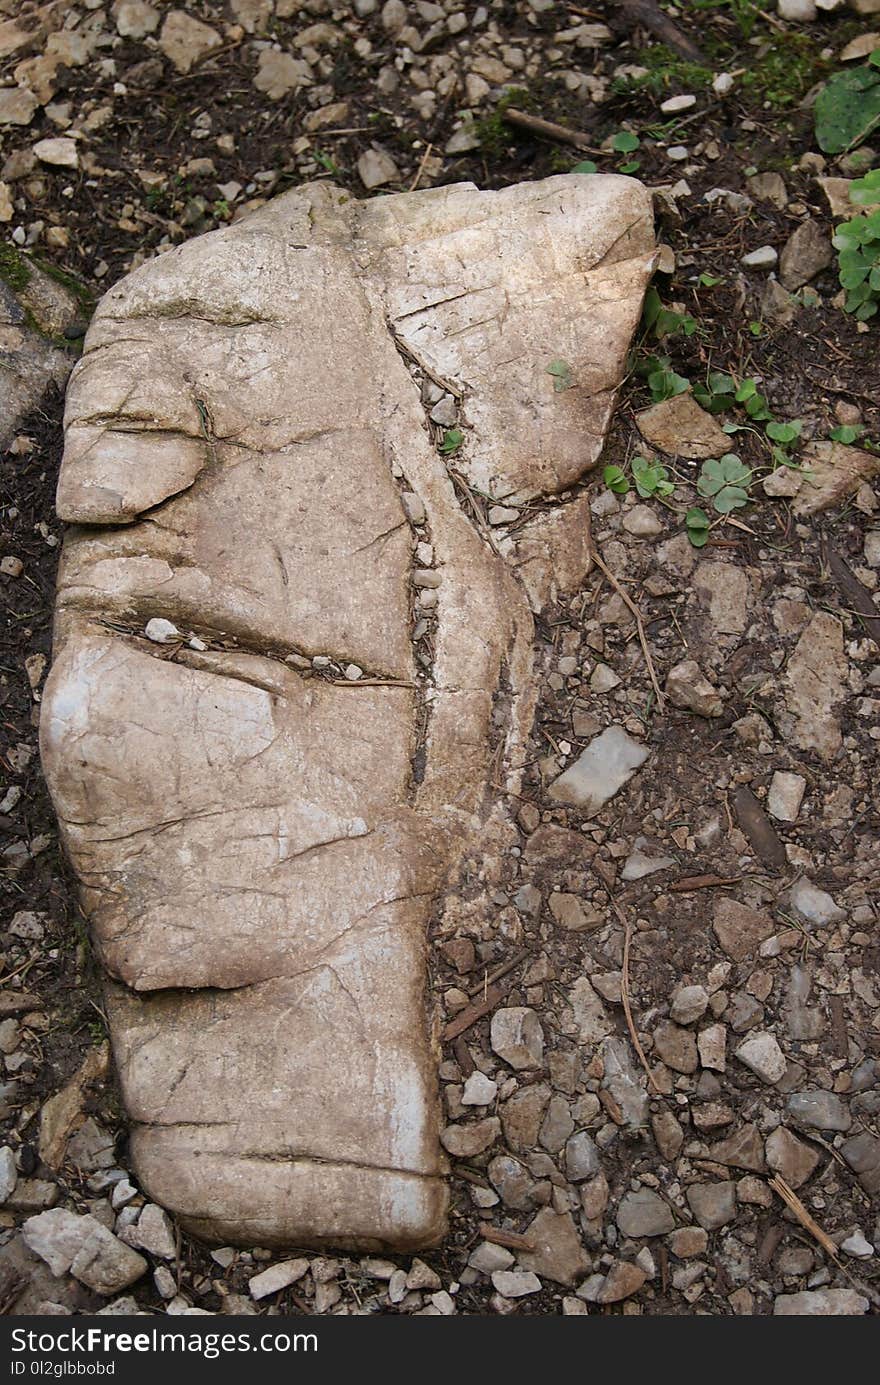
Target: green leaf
x=625, y=142
x=722, y=480
x=865, y=191
x=756, y=408
x=615, y=479
x=785, y=432
x=847, y=433
x=452, y=441
x=697, y=524
x=730, y=498
x=746, y=390
x=708, y=281
x=562, y=378
x=846, y=108
x=586, y=166
x=630, y=167
x=665, y=384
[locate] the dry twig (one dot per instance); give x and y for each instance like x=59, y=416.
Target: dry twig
x=634, y=610
x=624, y=990
x=791, y=1200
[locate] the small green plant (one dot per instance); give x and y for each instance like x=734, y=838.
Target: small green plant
x=452, y=441
x=660, y=322
x=651, y=478
x=718, y=392
x=857, y=242
x=754, y=402
x=326, y=163
x=616, y=480
x=724, y=481
x=625, y=142
x=562, y=376
x=585, y=166
x=709, y=281
x=847, y=433
x=697, y=524
x=663, y=381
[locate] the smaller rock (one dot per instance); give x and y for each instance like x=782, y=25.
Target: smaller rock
x=687, y=1241
x=622, y=1281
x=789, y=1156
x=106, y=1264
x=517, y=1037
x=785, y=795
x=805, y=254
x=581, y=1157
x=479, y=1090
x=644, y=1213
x=642, y=522
x=466, y=1141
x=673, y=104
x=276, y=1278
x=161, y=631
x=8, y=1174
x=638, y=863
x=676, y=1047
x=376, y=168
x=154, y=1233
x=813, y=905
x=57, y=152
x=57, y=1236
x=763, y=1056
x=764, y=257
x=820, y=1110
x=686, y=687
x=713, y=1204
x=609, y=762
x=857, y=1245
x=689, y=1003
x=712, y=1046
x=489, y=1258
x=515, y=1283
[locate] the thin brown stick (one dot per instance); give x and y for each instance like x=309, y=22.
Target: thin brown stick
x=643, y=639
x=548, y=129
x=421, y=168
x=372, y=683
x=511, y=1239
x=791, y=1200
x=702, y=882
x=472, y=1013
x=624, y=990
x=496, y=974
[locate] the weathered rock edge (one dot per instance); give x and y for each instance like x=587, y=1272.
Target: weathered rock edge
x=259, y=852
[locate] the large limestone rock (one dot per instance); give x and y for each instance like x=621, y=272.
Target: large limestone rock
x=260, y=841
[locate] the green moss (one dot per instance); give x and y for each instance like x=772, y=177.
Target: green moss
x=788, y=65
x=83, y=295
x=666, y=70
x=494, y=133
x=14, y=269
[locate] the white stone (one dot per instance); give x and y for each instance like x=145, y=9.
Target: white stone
x=763, y=1056
x=785, y=795
x=161, y=631
x=813, y=905
x=59, y=152
x=57, y=1236
x=764, y=257
x=857, y=1245
x=677, y=103
x=376, y=168
x=489, y=1258
x=8, y=1174
x=479, y=1090
x=689, y=1004
x=515, y=1283
x=609, y=762
x=277, y=1277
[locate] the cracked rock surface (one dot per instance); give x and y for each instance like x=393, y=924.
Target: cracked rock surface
x=265, y=814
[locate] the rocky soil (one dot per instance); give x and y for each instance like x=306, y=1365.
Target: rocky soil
x=660, y=1001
